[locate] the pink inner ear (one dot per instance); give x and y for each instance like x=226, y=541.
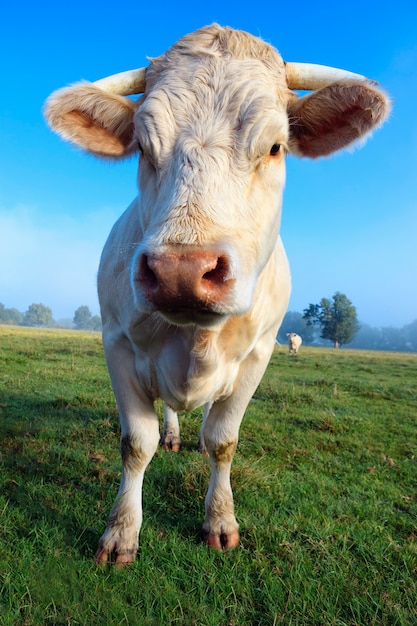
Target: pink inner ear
x=335, y=116
x=93, y=120
x=91, y=136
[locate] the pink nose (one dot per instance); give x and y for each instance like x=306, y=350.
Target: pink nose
x=181, y=280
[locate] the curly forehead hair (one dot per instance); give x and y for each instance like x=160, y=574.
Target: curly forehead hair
x=220, y=42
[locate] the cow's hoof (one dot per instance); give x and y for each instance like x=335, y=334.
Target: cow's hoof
x=171, y=443
x=202, y=449
x=223, y=541
x=104, y=557
x=171, y=447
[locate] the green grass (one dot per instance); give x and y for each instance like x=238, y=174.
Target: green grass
x=325, y=485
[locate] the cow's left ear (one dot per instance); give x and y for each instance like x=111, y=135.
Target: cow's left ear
x=335, y=116
x=98, y=122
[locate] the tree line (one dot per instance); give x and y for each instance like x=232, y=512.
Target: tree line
x=41, y=315
x=331, y=320
x=335, y=320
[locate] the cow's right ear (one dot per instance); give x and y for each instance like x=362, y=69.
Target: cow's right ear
x=98, y=122
x=335, y=116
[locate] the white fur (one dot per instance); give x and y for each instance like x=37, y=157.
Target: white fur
x=294, y=342
x=214, y=106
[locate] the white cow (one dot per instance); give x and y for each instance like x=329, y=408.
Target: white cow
x=193, y=280
x=294, y=342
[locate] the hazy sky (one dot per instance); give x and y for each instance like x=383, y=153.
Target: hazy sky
x=349, y=221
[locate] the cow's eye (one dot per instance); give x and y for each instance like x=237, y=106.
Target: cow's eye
x=275, y=149
x=140, y=147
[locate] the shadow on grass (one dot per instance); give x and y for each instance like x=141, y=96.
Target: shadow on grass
x=61, y=470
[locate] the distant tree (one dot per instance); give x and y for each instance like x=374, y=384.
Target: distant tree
x=387, y=338
x=10, y=316
x=96, y=322
x=393, y=339
x=38, y=315
x=294, y=322
x=367, y=338
x=336, y=319
x=82, y=318
x=411, y=336
x=15, y=316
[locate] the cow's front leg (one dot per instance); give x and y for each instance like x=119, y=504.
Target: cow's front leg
x=220, y=527
x=119, y=542
x=138, y=443
x=220, y=432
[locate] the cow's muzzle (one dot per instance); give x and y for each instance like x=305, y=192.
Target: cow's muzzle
x=186, y=284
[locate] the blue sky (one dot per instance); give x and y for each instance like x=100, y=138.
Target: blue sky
x=349, y=221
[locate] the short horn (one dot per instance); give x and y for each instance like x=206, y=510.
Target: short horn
x=309, y=76
x=124, y=83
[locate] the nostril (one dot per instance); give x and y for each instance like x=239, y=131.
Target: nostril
x=219, y=274
x=145, y=274
x=183, y=279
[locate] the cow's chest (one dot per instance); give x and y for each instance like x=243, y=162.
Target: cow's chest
x=187, y=369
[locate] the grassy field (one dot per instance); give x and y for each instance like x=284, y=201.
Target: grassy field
x=325, y=485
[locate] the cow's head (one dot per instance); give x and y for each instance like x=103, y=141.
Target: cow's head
x=217, y=116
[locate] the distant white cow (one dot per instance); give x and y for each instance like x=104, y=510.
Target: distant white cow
x=193, y=280
x=294, y=342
